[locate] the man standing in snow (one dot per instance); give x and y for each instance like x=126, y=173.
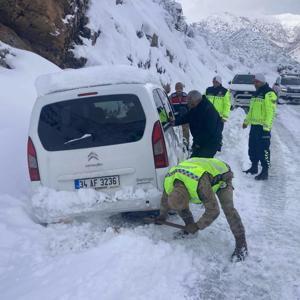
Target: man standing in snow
x=219, y=97
x=260, y=117
x=197, y=180
x=205, y=125
x=179, y=102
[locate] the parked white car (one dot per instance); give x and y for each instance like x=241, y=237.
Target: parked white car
x=288, y=88
x=242, y=89
x=103, y=128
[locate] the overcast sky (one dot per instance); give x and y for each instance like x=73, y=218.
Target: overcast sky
x=197, y=9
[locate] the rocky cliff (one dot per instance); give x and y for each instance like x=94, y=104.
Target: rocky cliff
x=50, y=28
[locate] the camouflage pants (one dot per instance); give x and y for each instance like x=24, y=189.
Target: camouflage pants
x=212, y=210
x=233, y=218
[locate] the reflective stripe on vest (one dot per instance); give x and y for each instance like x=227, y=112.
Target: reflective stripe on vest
x=189, y=173
x=220, y=104
x=262, y=110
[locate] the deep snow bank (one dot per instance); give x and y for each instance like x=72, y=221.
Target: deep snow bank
x=88, y=259
x=17, y=97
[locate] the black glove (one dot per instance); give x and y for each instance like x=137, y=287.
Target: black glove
x=191, y=228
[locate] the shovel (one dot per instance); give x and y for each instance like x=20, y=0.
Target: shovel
x=160, y=222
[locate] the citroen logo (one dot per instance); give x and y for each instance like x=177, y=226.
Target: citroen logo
x=93, y=155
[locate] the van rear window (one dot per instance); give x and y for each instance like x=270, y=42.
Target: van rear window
x=91, y=122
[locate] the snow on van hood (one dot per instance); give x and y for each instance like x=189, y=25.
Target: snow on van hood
x=91, y=76
x=242, y=87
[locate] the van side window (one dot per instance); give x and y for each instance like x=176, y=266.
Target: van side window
x=166, y=103
x=162, y=112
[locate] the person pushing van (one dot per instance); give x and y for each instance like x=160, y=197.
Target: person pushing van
x=205, y=124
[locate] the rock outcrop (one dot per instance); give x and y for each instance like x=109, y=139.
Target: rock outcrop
x=49, y=28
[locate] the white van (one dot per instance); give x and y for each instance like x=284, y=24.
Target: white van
x=103, y=128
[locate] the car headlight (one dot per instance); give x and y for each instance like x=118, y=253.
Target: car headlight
x=284, y=90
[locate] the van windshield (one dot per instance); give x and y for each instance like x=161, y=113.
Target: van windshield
x=91, y=122
x=290, y=81
x=243, y=79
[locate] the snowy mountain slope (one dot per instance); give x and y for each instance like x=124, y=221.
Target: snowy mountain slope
x=251, y=41
x=284, y=30
x=88, y=259
x=290, y=23
x=153, y=35
x=296, y=53
x=278, y=29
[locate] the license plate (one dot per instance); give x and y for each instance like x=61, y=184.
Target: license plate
x=97, y=182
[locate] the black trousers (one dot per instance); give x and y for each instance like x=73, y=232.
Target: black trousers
x=204, y=151
x=259, y=146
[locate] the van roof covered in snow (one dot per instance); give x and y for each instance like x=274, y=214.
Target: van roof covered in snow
x=91, y=76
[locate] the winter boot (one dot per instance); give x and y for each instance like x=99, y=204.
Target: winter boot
x=241, y=251
x=264, y=175
x=253, y=170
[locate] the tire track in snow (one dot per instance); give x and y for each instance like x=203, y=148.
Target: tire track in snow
x=280, y=207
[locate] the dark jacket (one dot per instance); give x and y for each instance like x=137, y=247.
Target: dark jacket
x=262, y=91
x=205, y=124
x=179, y=103
x=216, y=91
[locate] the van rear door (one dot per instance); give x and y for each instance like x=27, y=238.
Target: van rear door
x=174, y=147
x=96, y=142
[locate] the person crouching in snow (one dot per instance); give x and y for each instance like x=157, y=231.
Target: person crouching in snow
x=197, y=180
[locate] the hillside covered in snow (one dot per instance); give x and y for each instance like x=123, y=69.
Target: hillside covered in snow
x=155, y=36
x=269, y=41
x=158, y=38
x=112, y=257
x=152, y=35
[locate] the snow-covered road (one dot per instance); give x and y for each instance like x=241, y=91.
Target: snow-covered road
x=89, y=260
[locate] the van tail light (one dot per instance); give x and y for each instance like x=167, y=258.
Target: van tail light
x=159, y=147
x=32, y=162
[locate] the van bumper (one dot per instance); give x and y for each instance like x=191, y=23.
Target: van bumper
x=50, y=206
